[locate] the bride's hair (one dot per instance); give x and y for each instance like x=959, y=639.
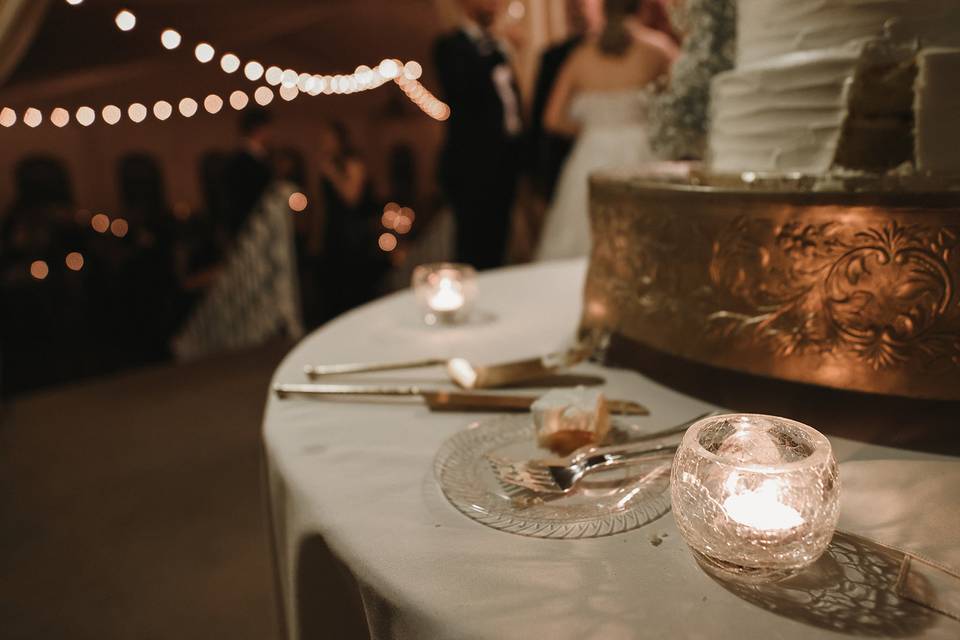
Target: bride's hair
x=615, y=39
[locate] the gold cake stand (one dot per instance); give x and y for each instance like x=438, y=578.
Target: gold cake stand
x=847, y=282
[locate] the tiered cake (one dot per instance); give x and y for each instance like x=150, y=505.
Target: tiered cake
x=857, y=84
x=821, y=243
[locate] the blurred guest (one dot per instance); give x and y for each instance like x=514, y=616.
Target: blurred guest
x=550, y=150
x=600, y=97
x=150, y=304
x=44, y=332
x=248, y=173
x=353, y=265
x=480, y=160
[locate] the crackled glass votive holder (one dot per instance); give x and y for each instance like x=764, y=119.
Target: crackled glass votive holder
x=445, y=292
x=755, y=496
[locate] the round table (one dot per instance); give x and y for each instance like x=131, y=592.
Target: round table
x=365, y=541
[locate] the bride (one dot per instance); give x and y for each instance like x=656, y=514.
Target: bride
x=600, y=99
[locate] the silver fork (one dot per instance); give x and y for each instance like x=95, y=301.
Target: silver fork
x=561, y=475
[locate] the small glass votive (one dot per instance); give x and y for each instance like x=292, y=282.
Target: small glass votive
x=445, y=292
x=755, y=497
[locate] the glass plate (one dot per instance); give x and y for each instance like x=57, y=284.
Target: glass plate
x=603, y=504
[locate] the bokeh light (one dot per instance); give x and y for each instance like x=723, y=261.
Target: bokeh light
x=86, y=116
x=263, y=96
x=137, y=112
x=8, y=117
x=111, y=114
x=32, y=117
x=213, y=103
x=412, y=70
x=119, y=227
x=253, y=71
x=39, y=269
x=170, y=39
x=387, y=242
x=74, y=261
x=239, y=100
x=100, y=222
x=60, y=117
x=188, y=107
x=229, y=63
x=289, y=78
x=162, y=110
x=289, y=93
x=125, y=20
x=388, y=68
x=204, y=52
x=274, y=76
x=298, y=202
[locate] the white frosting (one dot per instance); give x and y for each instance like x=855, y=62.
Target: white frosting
x=783, y=107
x=771, y=28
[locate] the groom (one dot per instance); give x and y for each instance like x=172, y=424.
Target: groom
x=481, y=157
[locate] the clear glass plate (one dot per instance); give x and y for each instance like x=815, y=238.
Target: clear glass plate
x=602, y=504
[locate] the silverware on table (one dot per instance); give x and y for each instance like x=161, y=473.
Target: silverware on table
x=466, y=374
x=439, y=399
x=561, y=475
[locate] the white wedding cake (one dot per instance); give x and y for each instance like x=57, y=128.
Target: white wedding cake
x=837, y=85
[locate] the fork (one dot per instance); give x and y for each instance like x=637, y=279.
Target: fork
x=561, y=475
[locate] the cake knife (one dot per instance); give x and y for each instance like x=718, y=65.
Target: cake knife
x=439, y=399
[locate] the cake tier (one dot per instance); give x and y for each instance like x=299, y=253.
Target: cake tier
x=873, y=107
x=771, y=28
x=847, y=285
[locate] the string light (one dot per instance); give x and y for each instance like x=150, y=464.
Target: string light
x=8, y=117
x=239, y=100
x=39, y=269
x=387, y=242
x=263, y=96
x=32, y=117
x=213, y=103
x=204, y=52
x=60, y=117
x=229, y=63
x=292, y=83
x=188, y=107
x=125, y=20
x=86, y=116
x=74, y=261
x=100, y=222
x=298, y=202
x=119, y=227
x=170, y=39
x=137, y=112
x=253, y=71
x=162, y=110
x=111, y=114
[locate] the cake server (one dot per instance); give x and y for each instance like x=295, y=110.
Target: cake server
x=464, y=373
x=439, y=399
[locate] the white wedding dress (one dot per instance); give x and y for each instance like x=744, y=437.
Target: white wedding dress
x=613, y=135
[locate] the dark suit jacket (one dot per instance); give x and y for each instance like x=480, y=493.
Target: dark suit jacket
x=478, y=152
x=245, y=181
x=549, y=151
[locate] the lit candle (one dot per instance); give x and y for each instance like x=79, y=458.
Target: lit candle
x=448, y=296
x=762, y=509
x=755, y=497
x=445, y=292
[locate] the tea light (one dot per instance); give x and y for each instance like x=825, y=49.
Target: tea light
x=755, y=496
x=445, y=291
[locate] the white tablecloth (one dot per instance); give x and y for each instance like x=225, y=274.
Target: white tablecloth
x=360, y=477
